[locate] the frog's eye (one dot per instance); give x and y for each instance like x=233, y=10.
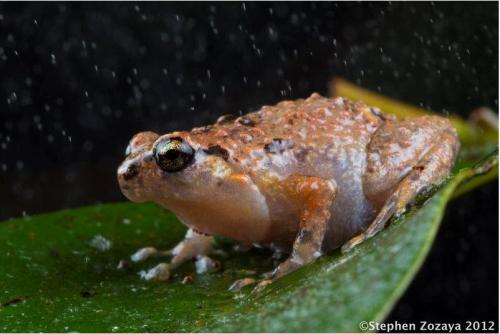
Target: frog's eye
x=173, y=154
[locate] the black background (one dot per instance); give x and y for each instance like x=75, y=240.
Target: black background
x=79, y=79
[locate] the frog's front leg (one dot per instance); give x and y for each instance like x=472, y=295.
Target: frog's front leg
x=315, y=197
x=194, y=245
x=427, y=148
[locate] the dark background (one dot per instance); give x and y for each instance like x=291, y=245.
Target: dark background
x=78, y=80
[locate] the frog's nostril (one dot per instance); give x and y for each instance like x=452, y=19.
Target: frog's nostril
x=131, y=171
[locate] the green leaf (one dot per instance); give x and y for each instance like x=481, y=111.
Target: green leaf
x=52, y=277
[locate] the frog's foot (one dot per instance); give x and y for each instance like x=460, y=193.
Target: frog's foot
x=159, y=273
x=431, y=169
x=261, y=285
x=378, y=225
x=241, y=283
x=194, y=245
x=205, y=264
x=289, y=265
x=244, y=282
x=247, y=281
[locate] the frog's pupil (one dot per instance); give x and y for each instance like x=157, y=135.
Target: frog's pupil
x=172, y=154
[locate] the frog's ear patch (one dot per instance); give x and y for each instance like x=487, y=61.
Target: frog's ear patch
x=218, y=151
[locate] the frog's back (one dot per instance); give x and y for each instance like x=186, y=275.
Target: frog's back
x=305, y=131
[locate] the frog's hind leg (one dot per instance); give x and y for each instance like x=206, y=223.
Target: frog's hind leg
x=315, y=196
x=433, y=146
x=194, y=245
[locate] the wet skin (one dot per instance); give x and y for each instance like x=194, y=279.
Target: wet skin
x=304, y=176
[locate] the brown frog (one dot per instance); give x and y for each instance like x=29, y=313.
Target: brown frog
x=304, y=176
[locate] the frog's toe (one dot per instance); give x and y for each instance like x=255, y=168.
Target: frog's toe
x=147, y=252
x=159, y=273
x=205, y=264
x=261, y=285
x=348, y=246
x=241, y=283
x=143, y=253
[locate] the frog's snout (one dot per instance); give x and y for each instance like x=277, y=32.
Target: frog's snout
x=134, y=168
x=129, y=175
x=126, y=173
x=129, y=171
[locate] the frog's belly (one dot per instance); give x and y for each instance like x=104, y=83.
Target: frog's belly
x=241, y=224
x=350, y=214
x=242, y=216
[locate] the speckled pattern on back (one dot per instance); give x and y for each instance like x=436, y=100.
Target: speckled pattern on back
x=293, y=134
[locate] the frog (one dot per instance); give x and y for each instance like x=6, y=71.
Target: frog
x=302, y=177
